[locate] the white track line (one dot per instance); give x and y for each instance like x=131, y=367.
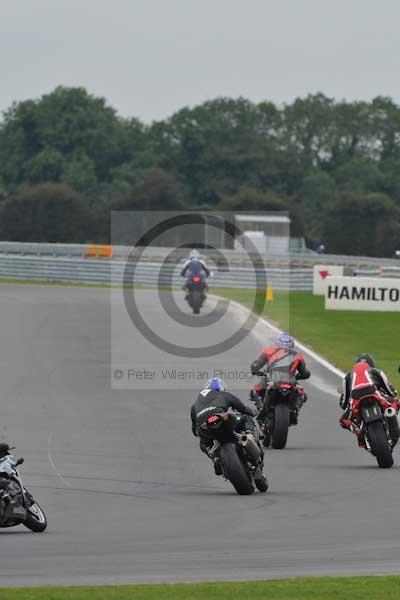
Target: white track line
x=52, y=463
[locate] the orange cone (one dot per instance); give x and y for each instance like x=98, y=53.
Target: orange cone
x=269, y=294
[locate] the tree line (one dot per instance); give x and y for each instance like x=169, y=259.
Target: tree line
x=68, y=159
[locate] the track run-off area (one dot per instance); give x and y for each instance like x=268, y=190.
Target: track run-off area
x=128, y=495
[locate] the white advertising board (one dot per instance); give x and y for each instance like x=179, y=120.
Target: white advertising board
x=321, y=272
x=362, y=293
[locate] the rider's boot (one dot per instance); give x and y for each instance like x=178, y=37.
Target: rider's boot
x=347, y=423
x=213, y=453
x=345, y=420
x=294, y=417
x=217, y=465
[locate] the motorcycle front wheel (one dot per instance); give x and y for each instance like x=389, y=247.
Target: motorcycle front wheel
x=36, y=519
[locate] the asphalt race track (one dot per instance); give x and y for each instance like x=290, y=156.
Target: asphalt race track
x=128, y=495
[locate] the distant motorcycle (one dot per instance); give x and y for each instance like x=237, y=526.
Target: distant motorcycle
x=239, y=453
x=17, y=505
x=196, y=287
x=278, y=402
x=376, y=426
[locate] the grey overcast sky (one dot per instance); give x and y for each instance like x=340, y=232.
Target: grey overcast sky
x=149, y=58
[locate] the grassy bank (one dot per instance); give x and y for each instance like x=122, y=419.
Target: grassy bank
x=327, y=588
x=337, y=335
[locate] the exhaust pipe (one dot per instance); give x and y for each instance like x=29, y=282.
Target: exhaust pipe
x=390, y=412
x=393, y=425
x=251, y=448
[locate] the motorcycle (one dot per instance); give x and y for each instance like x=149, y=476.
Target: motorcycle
x=278, y=403
x=17, y=505
x=374, y=422
x=195, y=291
x=240, y=456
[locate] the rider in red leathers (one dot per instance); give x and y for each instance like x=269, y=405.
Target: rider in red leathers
x=283, y=358
x=364, y=380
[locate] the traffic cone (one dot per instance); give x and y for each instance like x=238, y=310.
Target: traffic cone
x=269, y=295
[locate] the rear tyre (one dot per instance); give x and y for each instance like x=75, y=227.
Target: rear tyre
x=36, y=519
x=379, y=445
x=196, y=302
x=234, y=470
x=281, y=426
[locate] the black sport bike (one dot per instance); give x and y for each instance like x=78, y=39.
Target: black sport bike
x=278, y=402
x=241, y=457
x=17, y=505
x=196, y=291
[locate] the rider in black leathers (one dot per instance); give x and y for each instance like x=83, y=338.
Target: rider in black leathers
x=214, y=400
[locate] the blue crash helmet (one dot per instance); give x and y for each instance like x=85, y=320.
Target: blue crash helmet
x=215, y=384
x=285, y=340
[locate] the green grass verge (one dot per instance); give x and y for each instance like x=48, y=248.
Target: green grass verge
x=326, y=588
x=337, y=335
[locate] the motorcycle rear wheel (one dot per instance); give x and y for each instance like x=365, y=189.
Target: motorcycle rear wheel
x=380, y=447
x=281, y=426
x=196, y=301
x=234, y=470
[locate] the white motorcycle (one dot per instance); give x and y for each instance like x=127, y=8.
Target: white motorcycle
x=17, y=505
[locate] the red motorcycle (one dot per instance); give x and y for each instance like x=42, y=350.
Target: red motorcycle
x=374, y=422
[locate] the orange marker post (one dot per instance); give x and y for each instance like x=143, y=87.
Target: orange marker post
x=269, y=294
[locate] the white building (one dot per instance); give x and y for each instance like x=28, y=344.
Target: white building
x=269, y=234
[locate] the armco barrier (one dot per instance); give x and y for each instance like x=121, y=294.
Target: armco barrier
x=154, y=254
x=91, y=270
x=102, y=271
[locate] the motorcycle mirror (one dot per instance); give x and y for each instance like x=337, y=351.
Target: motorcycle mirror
x=19, y=462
